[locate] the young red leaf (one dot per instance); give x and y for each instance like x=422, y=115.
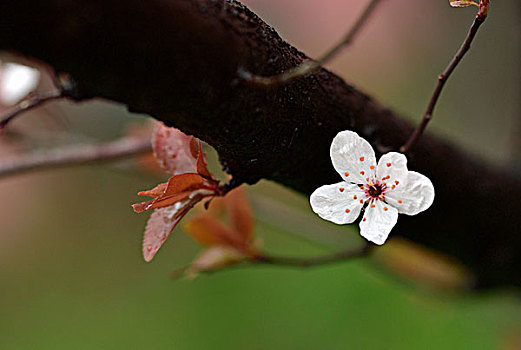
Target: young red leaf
x=209, y=231
x=240, y=213
x=202, y=166
x=182, y=156
x=161, y=202
x=214, y=258
x=172, y=149
x=159, y=226
x=155, y=192
x=179, y=187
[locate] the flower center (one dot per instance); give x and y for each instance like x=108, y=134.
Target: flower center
x=375, y=191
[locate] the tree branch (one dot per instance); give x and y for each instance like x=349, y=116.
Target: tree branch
x=312, y=66
x=177, y=60
x=36, y=99
x=442, y=79
x=312, y=261
x=74, y=155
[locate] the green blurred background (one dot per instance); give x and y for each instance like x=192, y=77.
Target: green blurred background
x=72, y=276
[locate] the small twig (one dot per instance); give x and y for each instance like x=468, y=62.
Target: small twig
x=314, y=261
x=443, y=77
x=262, y=259
x=311, y=66
x=34, y=101
x=74, y=155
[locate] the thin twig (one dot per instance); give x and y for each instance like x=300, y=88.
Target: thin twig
x=443, y=77
x=262, y=259
x=311, y=66
x=313, y=261
x=75, y=155
x=34, y=101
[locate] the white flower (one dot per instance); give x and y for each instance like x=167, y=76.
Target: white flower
x=386, y=189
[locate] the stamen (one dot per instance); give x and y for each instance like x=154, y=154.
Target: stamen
x=393, y=187
x=361, y=201
x=371, y=167
x=346, y=174
x=355, y=197
x=385, y=208
x=341, y=189
x=399, y=201
x=367, y=179
x=364, y=219
x=347, y=210
x=397, y=182
x=372, y=205
x=361, y=159
x=362, y=173
x=388, y=164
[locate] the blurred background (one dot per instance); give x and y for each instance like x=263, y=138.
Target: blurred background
x=72, y=275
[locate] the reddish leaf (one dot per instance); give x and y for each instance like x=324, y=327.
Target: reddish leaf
x=202, y=166
x=215, y=258
x=161, y=202
x=159, y=226
x=178, y=188
x=155, y=192
x=183, y=183
x=209, y=231
x=240, y=213
x=172, y=149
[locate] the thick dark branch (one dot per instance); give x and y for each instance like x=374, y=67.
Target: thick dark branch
x=177, y=60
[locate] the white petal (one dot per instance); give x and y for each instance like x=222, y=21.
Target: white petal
x=336, y=205
x=416, y=196
x=16, y=82
x=378, y=221
x=353, y=157
x=392, y=170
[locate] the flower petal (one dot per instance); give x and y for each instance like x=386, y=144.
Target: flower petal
x=378, y=221
x=414, y=197
x=353, y=157
x=339, y=203
x=392, y=170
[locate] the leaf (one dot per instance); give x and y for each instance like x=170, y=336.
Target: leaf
x=155, y=192
x=173, y=150
x=179, y=187
x=215, y=258
x=209, y=231
x=159, y=226
x=178, y=153
x=240, y=213
x=462, y=3
x=202, y=165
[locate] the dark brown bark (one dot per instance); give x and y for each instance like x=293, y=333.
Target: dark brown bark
x=177, y=60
